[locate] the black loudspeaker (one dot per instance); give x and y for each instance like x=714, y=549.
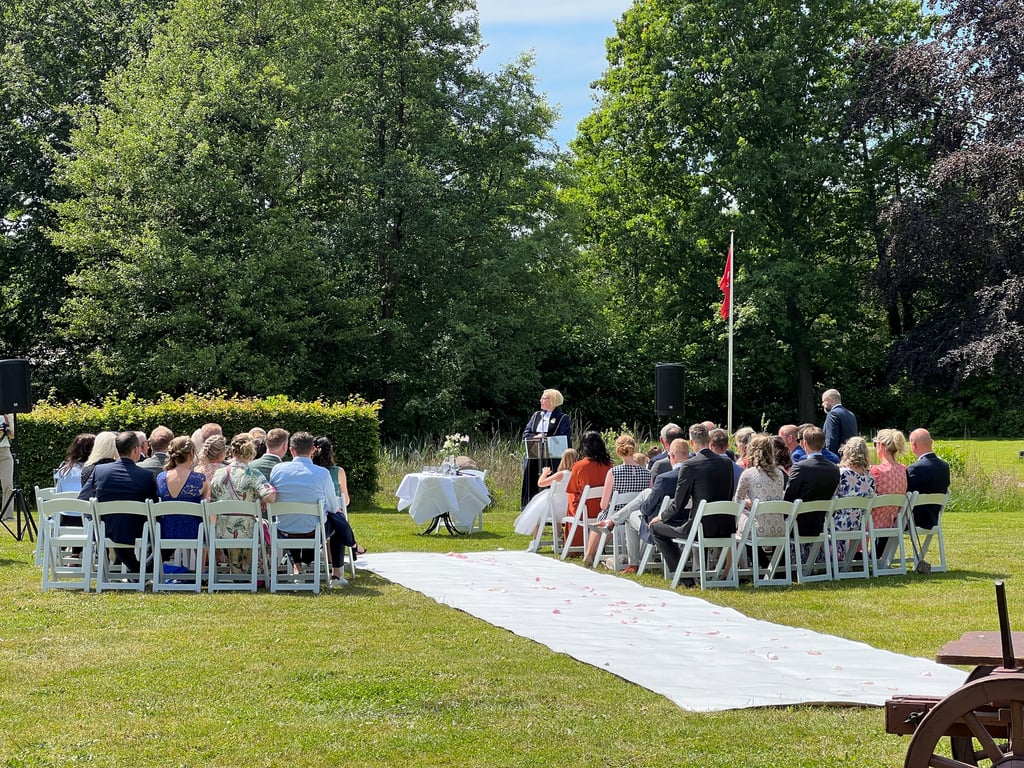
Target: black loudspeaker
x=669, y=388
x=15, y=396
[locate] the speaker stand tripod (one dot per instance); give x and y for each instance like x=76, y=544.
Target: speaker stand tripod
x=23, y=520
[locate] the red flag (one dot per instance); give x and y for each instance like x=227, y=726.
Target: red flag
x=725, y=285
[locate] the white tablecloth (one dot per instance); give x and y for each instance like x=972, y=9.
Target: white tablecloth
x=427, y=496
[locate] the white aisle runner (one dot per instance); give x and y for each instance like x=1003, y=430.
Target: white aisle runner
x=702, y=656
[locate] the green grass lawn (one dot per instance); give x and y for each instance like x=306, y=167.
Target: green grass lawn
x=377, y=675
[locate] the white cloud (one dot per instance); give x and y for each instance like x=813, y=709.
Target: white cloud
x=549, y=11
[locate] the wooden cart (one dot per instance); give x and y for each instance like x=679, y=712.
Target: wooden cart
x=984, y=718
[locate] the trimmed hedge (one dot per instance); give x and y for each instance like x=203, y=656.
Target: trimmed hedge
x=44, y=435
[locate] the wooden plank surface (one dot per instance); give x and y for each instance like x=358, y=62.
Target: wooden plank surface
x=978, y=648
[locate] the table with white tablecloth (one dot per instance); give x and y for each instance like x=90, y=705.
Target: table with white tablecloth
x=454, y=500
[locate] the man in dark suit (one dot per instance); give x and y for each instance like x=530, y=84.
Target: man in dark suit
x=122, y=480
x=929, y=474
x=706, y=476
x=813, y=479
x=277, y=447
x=662, y=462
x=840, y=423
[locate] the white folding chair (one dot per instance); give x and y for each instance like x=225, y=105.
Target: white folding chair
x=854, y=539
x=886, y=542
x=554, y=514
x=190, y=548
x=808, y=567
x=778, y=567
x=579, y=519
x=44, y=494
x=106, y=575
x=718, y=556
x=650, y=549
x=619, y=500
x=301, y=516
x=920, y=545
x=68, y=550
x=220, y=577
x=689, y=561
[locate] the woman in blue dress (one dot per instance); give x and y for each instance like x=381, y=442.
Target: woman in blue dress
x=178, y=482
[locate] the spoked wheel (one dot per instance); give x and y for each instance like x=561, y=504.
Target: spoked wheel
x=990, y=711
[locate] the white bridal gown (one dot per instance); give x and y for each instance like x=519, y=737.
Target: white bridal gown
x=552, y=500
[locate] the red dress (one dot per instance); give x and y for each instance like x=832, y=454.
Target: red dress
x=585, y=472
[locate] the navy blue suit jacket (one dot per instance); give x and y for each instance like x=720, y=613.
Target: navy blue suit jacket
x=840, y=426
x=121, y=480
x=558, y=424
x=664, y=485
x=929, y=474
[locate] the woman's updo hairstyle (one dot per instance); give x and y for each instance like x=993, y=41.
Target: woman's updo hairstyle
x=180, y=451
x=213, y=449
x=625, y=446
x=243, y=448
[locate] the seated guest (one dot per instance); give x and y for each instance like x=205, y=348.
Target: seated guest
x=121, y=480
x=782, y=458
x=890, y=476
x=662, y=462
x=104, y=451
x=258, y=432
x=591, y=469
x=553, y=491
x=159, y=439
x=627, y=477
x=704, y=477
x=800, y=454
x=742, y=438
x=789, y=433
x=68, y=476
x=274, y=449
x=302, y=480
x=720, y=445
x=929, y=474
x=238, y=482
x=638, y=513
x=212, y=456
x=323, y=456
x=204, y=433
x=178, y=482
x=815, y=478
x=854, y=480
x=763, y=480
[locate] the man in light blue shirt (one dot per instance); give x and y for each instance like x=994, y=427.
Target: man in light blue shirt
x=302, y=480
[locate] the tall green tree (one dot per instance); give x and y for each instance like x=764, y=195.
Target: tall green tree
x=54, y=55
x=318, y=198
x=719, y=115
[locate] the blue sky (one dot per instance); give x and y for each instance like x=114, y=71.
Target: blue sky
x=567, y=38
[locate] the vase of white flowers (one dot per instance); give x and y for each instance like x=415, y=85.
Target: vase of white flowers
x=450, y=451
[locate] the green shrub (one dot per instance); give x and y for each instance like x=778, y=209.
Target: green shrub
x=44, y=434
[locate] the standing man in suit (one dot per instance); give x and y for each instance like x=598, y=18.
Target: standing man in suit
x=929, y=474
x=277, y=447
x=706, y=476
x=840, y=423
x=122, y=480
x=813, y=479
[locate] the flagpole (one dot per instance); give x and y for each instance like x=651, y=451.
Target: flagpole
x=732, y=301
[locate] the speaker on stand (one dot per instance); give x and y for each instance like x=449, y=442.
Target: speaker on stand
x=15, y=397
x=670, y=390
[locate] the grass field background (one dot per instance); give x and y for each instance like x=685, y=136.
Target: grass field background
x=378, y=675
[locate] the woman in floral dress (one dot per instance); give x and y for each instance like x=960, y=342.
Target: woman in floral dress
x=237, y=481
x=854, y=480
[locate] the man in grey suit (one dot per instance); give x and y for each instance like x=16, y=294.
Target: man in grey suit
x=663, y=461
x=277, y=447
x=159, y=439
x=706, y=476
x=813, y=479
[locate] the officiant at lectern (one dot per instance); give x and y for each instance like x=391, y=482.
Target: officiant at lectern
x=548, y=422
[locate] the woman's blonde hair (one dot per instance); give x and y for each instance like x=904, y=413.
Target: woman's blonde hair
x=243, y=448
x=855, y=454
x=625, y=445
x=569, y=458
x=213, y=449
x=104, y=447
x=555, y=395
x=180, y=451
x=761, y=453
x=742, y=438
x=892, y=440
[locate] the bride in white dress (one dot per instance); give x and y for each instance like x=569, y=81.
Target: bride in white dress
x=552, y=501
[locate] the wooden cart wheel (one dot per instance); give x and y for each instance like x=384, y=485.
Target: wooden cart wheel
x=973, y=705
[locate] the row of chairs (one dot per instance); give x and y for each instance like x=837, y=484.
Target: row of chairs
x=834, y=553
x=75, y=551
x=829, y=555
